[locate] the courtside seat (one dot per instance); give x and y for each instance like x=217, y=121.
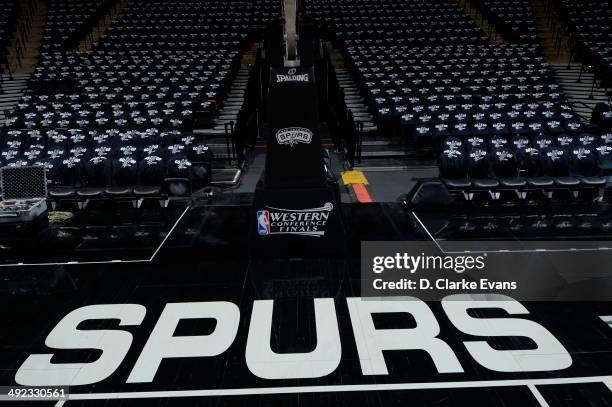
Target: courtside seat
x=513, y=182
x=497, y=166
x=90, y=192
x=65, y=176
x=453, y=169
x=604, y=157
x=488, y=185
x=554, y=163
x=179, y=176
x=505, y=166
x=462, y=183
x=58, y=192
x=567, y=182
x=540, y=182
x=151, y=174
x=118, y=192
x=97, y=172
x=479, y=170
x=602, y=116
x=587, y=166
x=146, y=191
x=485, y=183
x=177, y=187
x=124, y=176
x=595, y=182
x=86, y=194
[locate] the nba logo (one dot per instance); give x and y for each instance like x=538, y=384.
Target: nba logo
x=263, y=223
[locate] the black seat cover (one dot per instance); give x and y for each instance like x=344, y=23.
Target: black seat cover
x=98, y=172
x=478, y=163
x=555, y=162
x=543, y=142
x=583, y=161
x=452, y=143
x=519, y=143
x=124, y=176
x=498, y=143
x=604, y=158
x=540, y=182
x=452, y=164
x=151, y=174
x=504, y=163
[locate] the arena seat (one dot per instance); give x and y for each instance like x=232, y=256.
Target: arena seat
x=513, y=19
x=602, y=116
x=67, y=21
x=522, y=165
x=494, y=112
x=117, y=127
x=10, y=11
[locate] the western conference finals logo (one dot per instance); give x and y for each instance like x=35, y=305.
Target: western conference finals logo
x=303, y=222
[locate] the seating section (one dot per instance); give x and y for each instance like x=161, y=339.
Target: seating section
x=513, y=19
x=69, y=21
x=187, y=25
x=494, y=113
x=602, y=116
x=459, y=90
x=589, y=26
x=419, y=22
x=515, y=166
x=569, y=225
x=113, y=122
x=10, y=10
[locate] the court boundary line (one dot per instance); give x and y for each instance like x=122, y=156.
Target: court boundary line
x=538, y=396
x=338, y=388
x=86, y=263
x=594, y=249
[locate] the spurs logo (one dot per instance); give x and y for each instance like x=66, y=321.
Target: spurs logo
x=293, y=135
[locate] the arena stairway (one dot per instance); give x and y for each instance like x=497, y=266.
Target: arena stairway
x=480, y=20
x=550, y=33
x=355, y=102
x=231, y=105
x=226, y=171
x=374, y=144
x=577, y=88
x=11, y=90
x=31, y=39
x=101, y=26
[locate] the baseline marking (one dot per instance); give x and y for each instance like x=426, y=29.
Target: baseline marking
x=336, y=388
x=594, y=249
x=82, y=263
x=536, y=393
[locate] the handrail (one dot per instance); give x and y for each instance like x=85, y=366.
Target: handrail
x=359, y=125
x=227, y=143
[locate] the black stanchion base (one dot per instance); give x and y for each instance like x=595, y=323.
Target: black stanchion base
x=296, y=223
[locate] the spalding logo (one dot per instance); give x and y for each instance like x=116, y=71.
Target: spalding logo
x=292, y=76
x=293, y=135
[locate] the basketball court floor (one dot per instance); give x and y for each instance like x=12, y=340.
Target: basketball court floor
x=144, y=275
